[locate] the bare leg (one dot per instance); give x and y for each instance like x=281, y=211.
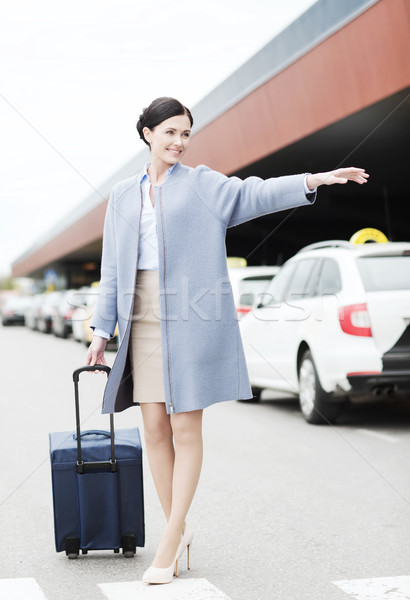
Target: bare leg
x=187, y=431
x=160, y=451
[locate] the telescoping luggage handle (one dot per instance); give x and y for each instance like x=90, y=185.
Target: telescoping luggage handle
x=86, y=466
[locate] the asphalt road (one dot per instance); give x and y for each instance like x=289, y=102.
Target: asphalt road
x=283, y=509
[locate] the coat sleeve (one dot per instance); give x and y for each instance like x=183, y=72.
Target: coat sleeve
x=235, y=201
x=105, y=312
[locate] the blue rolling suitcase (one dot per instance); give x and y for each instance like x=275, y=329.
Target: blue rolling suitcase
x=97, y=486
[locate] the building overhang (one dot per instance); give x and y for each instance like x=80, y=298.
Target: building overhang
x=337, y=60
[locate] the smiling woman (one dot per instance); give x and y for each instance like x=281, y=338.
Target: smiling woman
x=164, y=279
x=165, y=126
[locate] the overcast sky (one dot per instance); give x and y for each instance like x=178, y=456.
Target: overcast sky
x=75, y=75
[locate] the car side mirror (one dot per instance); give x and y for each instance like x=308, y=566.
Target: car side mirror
x=261, y=300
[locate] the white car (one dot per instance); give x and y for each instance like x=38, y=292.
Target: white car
x=81, y=317
x=82, y=314
x=61, y=319
x=247, y=283
x=333, y=324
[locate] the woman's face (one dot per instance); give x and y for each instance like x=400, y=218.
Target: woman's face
x=170, y=139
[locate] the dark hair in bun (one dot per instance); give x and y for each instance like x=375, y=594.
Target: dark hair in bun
x=160, y=110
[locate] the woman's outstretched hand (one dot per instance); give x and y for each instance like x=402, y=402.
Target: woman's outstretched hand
x=337, y=176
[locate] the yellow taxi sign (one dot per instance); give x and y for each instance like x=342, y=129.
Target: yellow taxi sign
x=236, y=262
x=368, y=234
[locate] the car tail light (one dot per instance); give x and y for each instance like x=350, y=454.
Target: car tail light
x=354, y=320
x=243, y=310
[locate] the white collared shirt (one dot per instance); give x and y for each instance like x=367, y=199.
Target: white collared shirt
x=148, y=242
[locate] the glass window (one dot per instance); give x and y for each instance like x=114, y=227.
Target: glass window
x=275, y=292
x=302, y=283
x=250, y=287
x=381, y=273
x=330, y=281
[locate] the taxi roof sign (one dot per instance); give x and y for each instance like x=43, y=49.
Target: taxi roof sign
x=369, y=234
x=236, y=262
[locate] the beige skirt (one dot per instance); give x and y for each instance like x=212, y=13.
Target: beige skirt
x=145, y=341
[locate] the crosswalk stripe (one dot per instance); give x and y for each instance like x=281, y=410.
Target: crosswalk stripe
x=380, y=588
x=20, y=589
x=179, y=589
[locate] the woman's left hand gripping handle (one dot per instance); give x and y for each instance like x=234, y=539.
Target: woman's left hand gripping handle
x=95, y=354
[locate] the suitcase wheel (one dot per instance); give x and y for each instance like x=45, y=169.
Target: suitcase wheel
x=72, y=547
x=129, y=545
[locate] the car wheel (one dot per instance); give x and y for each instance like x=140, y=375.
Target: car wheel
x=256, y=396
x=314, y=401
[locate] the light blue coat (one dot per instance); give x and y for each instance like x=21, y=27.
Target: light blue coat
x=202, y=352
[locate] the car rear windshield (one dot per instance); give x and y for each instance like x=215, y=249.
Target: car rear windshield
x=383, y=273
x=250, y=287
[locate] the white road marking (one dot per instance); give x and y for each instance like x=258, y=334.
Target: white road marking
x=381, y=436
x=381, y=588
x=20, y=589
x=179, y=589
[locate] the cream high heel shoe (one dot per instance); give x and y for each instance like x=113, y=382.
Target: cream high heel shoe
x=163, y=575
x=158, y=575
x=186, y=541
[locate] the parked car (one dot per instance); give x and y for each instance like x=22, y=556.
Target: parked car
x=47, y=309
x=33, y=310
x=13, y=310
x=247, y=283
x=82, y=314
x=61, y=318
x=81, y=319
x=334, y=324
